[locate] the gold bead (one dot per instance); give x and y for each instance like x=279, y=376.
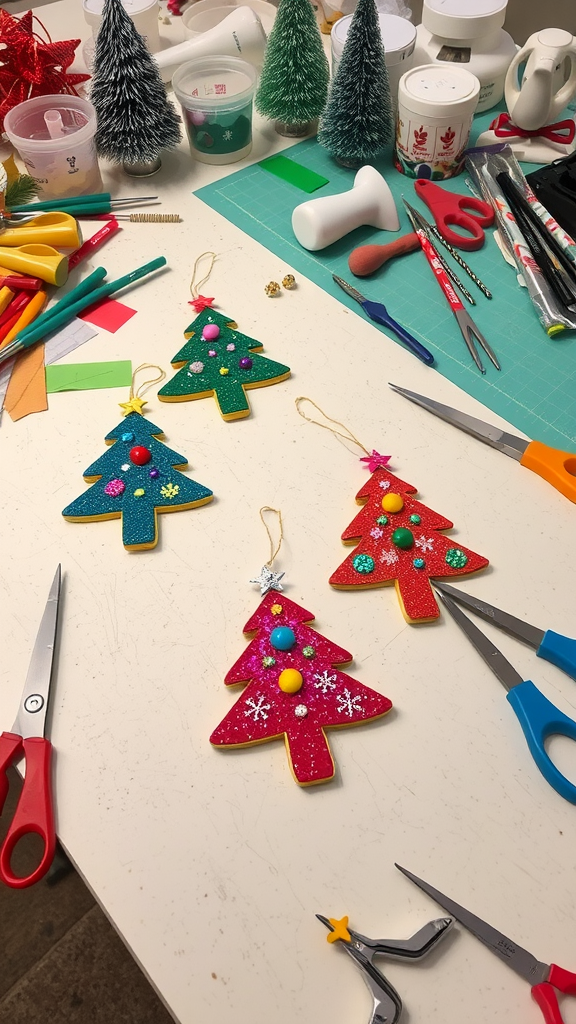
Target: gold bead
x=289, y=281
x=272, y=288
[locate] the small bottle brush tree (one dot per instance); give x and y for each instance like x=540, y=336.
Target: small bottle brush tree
x=358, y=122
x=136, y=121
x=294, y=81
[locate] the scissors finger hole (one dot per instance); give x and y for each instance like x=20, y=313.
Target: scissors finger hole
x=570, y=466
x=562, y=752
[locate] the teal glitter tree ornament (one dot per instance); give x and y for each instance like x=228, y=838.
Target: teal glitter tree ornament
x=218, y=360
x=294, y=80
x=358, y=122
x=134, y=480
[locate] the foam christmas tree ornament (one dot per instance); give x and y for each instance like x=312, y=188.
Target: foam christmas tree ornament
x=218, y=360
x=358, y=121
x=294, y=80
x=135, y=479
x=294, y=687
x=135, y=119
x=397, y=541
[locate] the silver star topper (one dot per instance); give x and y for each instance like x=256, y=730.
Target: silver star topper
x=268, y=580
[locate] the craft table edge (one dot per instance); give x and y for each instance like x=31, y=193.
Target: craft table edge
x=212, y=864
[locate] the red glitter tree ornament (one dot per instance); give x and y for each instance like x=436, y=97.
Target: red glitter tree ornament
x=294, y=690
x=30, y=65
x=398, y=542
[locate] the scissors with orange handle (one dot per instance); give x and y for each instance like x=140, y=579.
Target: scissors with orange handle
x=543, y=978
x=34, y=811
x=553, y=465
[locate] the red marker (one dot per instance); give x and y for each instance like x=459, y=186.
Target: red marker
x=30, y=284
x=94, y=243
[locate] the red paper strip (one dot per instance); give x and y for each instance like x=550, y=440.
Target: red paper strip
x=109, y=314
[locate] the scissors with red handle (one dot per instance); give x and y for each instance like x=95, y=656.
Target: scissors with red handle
x=34, y=811
x=543, y=978
x=448, y=208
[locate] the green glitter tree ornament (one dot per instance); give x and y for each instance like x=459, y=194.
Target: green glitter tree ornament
x=294, y=80
x=225, y=365
x=136, y=478
x=358, y=121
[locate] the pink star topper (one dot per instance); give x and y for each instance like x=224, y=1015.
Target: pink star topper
x=200, y=303
x=375, y=460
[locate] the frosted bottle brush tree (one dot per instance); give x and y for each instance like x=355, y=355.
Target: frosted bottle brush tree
x=136, y=121
x=294, y=81
x=358, y=122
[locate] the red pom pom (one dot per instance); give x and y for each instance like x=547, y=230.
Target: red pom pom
x=140, y=456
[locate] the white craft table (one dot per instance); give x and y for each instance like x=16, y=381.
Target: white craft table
x=212, y=864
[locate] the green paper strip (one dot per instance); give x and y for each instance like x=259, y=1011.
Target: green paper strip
x=302, y=177
x=87, y=376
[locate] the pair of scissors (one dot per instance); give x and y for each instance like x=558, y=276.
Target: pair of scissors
x=538, y=717
x=450, y=208
x=556, y=467
x=387, y=1003
x=543, y=978
x=379, y=314
x=34, y=811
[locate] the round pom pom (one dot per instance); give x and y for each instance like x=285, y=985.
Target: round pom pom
x=282, y=638
x=290, y=680
x=403, y=539
x=392, y=502
x=210, y=332
x=140, y=455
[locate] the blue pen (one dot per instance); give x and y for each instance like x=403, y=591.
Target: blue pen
x=538, y=717
x=377, y=311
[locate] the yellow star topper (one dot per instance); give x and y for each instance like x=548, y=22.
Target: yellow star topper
x=133, y=405
x=340, y=930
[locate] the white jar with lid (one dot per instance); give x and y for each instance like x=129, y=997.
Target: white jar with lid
x=144, y=14
x=399, y=39
x=435, y=108
x=468, y=33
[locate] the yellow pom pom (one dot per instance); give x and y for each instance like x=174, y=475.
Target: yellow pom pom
x=392, y=503
x=290, y=680
x=276, y=609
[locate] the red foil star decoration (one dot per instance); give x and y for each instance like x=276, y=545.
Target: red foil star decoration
x=375, y=460
x=30, y=65
x=200, y=303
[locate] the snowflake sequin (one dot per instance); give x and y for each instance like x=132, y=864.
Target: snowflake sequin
x=169, y=490
x=424, y=543
x=227, y=136
x=384, y=484
x=349, y=704
x=389, y=557
x=376, y=533
x=257, y=709
x=323, y=681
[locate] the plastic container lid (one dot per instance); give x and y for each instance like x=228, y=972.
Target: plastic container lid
x=26, y=122
x=433, y=90
x=94, y=8
x=463, y=19
x=214, y=83
x=397, y=35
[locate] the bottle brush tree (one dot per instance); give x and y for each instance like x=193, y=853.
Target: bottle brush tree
x=136, y=120
x=358, y=121
x=294, y=81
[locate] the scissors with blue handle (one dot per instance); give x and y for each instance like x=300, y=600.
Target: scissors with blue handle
x=379, y=314
x=559, y=650
x=34, y=811
x=543, y=978
x=538, y=717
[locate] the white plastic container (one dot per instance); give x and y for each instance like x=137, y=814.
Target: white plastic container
x=55, y=138
x=216, y=96
x=144, y=14
x=468, y=33
x=435, y=109
x=398, y=37
x=207, y=14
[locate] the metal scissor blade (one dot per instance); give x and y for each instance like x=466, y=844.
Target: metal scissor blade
x=510, y=444
x=520, y=630
x=519, y=959
x=494, y=658
x=348, y=288
x=31, y=717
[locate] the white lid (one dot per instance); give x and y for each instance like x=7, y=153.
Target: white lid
x=437, y=91
x=397, y=34
x=463, y=19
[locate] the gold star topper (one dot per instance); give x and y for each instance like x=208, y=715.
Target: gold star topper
x=340, y=930
x=133, y=405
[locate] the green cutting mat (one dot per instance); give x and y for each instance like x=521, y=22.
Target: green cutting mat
x=536, y=388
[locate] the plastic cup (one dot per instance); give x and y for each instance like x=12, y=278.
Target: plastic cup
x=55, y=138
x=216, y=97
x=144, y=14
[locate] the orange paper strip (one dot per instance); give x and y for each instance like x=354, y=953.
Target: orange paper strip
x=27, y=388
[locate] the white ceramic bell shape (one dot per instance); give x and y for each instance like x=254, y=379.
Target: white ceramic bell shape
x=320, y=222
